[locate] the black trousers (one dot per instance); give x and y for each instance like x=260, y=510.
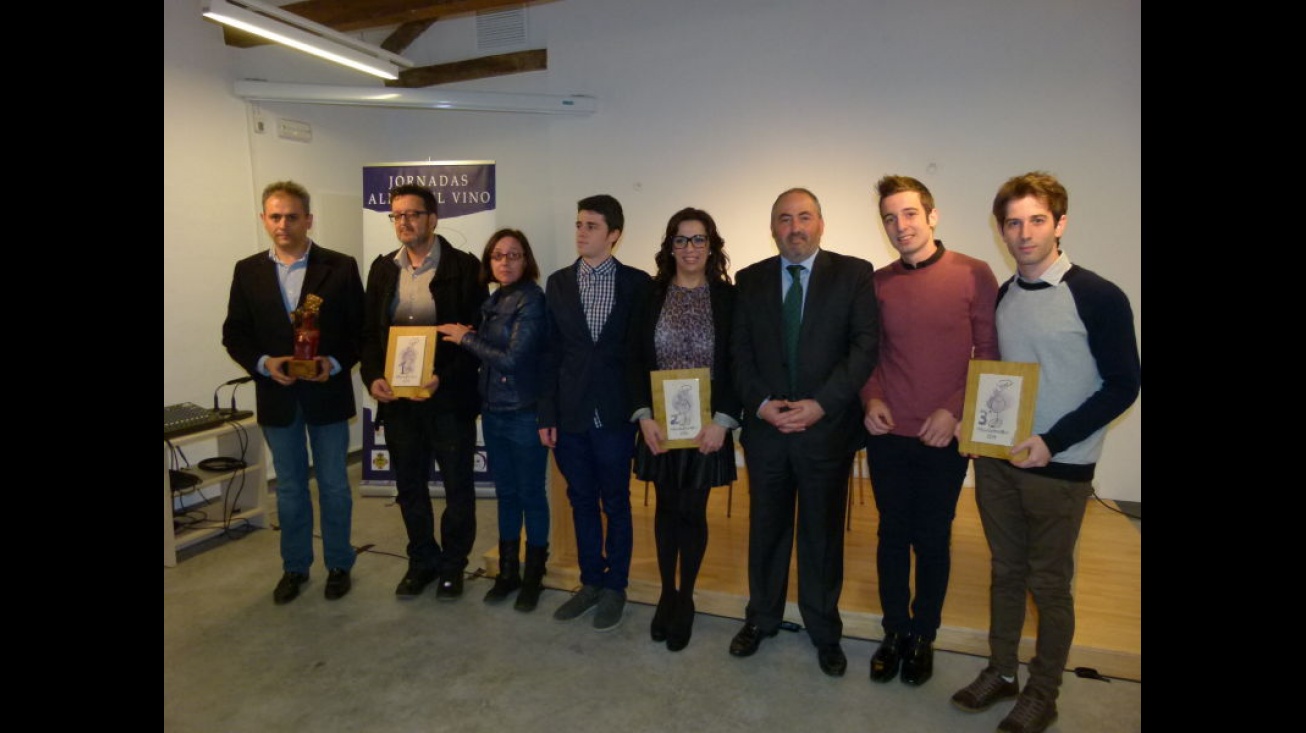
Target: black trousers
x=789, y=487
x=414, y=434
x=916, y=489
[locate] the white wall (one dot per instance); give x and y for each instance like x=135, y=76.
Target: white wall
x=719, y=105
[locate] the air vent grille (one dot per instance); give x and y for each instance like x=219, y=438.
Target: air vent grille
x=501, y=29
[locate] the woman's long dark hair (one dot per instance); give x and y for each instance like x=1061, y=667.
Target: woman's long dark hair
x=717, y=261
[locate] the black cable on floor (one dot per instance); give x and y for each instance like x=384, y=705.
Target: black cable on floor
x=1114, y=509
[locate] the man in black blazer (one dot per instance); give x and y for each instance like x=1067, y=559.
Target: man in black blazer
x=802, y=421
x=585, y=408
x=267, y=289
x=427, y=282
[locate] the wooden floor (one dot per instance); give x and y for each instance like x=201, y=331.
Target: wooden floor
x=1108, y=580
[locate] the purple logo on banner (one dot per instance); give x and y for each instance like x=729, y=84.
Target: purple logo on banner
x=460, y=188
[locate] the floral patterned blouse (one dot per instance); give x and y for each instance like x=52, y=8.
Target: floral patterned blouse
x=684, y=336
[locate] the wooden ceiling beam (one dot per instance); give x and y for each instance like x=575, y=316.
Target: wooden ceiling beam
x=403, y=36
x=471, y=69
x=412, y=18
x=354, y=15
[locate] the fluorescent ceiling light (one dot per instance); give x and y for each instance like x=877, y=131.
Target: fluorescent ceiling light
x=300, y=33
x=420, y=98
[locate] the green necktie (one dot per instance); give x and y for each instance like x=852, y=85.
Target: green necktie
x=793, y=312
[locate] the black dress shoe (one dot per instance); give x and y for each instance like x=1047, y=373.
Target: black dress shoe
x=748, y=640
x=415, y=581
x=657, y=630
x=918, y=662
x=287, y=588
x=451, y=586
x=885, y=663
x=337, y=584
x=832, y=659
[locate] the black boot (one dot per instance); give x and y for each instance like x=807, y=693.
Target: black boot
x=681, y=626
x=657, y=630
x=532, y=577
x=509, y=577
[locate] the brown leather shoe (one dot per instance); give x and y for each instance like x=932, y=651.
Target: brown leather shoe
x=1033, y=714
x=987, y=690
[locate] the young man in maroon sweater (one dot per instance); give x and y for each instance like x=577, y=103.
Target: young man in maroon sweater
x=936, y=309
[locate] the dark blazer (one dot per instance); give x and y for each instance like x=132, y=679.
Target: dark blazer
x=838, y=347
x=643, y=351
x=581, y=375
x=458, y=294
x=257, y=324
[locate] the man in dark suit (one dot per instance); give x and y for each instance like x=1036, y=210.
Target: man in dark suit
x=268, y=290
x=585, y=409
x=427, y=282
x=802, y=419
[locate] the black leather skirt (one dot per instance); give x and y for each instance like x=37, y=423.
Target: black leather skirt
x=686, y=466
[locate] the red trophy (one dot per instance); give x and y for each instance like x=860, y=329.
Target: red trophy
x=304, y=364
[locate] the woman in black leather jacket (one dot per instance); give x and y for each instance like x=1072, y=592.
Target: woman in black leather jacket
x=508, y=344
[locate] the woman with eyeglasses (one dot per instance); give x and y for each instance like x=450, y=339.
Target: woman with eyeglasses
x=509, y=344
x=684, y=324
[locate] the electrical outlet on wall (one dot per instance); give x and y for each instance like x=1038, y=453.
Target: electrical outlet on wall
x=257, y=120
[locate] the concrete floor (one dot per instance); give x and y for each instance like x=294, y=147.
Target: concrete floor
x=233, y=661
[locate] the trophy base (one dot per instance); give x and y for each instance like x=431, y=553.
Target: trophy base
x=302, y=368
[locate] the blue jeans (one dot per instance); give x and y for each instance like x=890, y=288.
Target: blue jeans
x=518, y=461
x=596, y=464
x=330, y=443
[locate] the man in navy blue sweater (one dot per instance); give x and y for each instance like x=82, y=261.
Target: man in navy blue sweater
x=1079, y=328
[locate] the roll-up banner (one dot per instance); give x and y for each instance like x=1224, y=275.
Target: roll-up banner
x=467, y=212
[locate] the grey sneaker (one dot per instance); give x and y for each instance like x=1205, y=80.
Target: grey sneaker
x=584, y=599
x=987, y=690
x=611, y=605
x=1033, y=714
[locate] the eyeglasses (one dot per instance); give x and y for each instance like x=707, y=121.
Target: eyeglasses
x=698, y=240
x=406, y=215
x=509, y=256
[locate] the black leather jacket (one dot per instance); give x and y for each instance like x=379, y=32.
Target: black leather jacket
x=509, y=344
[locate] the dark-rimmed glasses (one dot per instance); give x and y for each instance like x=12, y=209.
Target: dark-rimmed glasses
x=406, y=215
